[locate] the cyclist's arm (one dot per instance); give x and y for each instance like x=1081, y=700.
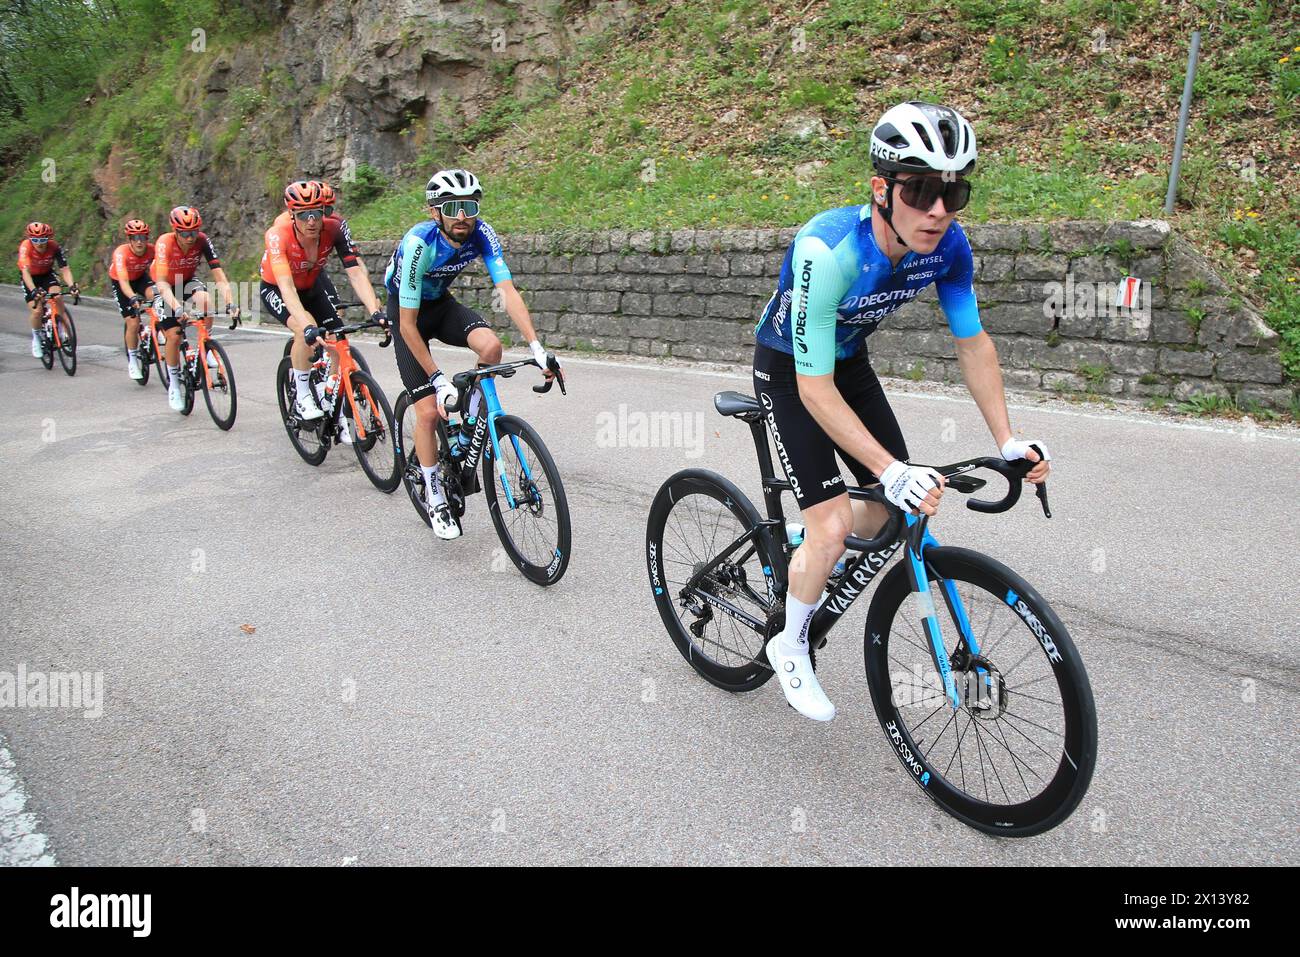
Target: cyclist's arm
x=223, y=285
x=516, y=310
x=359, y=279
x=119, y=263
x=813, y=318
x=28, y=282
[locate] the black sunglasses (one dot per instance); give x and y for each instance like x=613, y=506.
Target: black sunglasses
x=920, y=192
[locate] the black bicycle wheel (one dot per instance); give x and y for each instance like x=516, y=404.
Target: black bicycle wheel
x=409, y=462
x=144, y=357
x=47, y=344
x=160, y=356
x=219, y=394
x=304, y=436
x=375, y=450
x=718, y=625
x=67, y=342
x=1016, y=758
x=535, y=531
x=188, y=386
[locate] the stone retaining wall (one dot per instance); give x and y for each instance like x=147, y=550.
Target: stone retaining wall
x=697, y=294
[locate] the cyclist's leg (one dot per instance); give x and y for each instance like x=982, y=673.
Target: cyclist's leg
x=460, y=325
x=129, y=321
x=416, y=381
x=808, y=456
x=857, y=382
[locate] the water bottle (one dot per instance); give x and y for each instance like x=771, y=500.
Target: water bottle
x=794, y=533
x=327, y=390
x=454, y=435
x=467, y=429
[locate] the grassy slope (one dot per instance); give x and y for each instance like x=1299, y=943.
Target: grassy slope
x=1066, y=131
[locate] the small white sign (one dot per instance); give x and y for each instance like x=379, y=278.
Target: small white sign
x=1126, y=294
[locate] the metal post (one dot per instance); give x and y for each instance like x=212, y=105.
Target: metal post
x=1182, y=122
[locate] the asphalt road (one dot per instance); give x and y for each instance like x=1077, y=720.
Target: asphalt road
x=405, y=700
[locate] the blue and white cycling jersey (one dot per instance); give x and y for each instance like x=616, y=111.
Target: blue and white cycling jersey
x=845, y=286
x=425, y=263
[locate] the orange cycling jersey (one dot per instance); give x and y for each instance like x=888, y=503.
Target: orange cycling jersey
x=174, y=265
x=126, y=265
x=40, y=261
x=283, y=246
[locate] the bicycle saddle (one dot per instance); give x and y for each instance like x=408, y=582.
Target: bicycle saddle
x=743, y=407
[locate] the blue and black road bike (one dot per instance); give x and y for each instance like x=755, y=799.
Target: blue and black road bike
x=975, y=681
x=521, y=482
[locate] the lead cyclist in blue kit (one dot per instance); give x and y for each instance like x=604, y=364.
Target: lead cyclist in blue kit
x=846, y=270
x=425, y=263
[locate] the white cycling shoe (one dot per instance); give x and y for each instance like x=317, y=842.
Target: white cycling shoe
x=345, y=431
x=36, y=346
x=133, y=368
x=444, y=525
x=175, y=396
x=306, y=407
x=799, y=683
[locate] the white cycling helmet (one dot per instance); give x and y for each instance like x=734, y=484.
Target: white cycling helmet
x=452, y=184
x=918, y=137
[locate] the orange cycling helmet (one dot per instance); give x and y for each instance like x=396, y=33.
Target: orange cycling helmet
x=40, y=230
x=327, y=196
x=136, y=227
x=303, y=194
x=185, y=217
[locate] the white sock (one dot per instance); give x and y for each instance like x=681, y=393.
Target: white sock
x=36, y=335
x=174, y=371
x=794, y=636
x=432, y=488
x=302, y=379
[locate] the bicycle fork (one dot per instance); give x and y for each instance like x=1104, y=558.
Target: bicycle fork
x=492, y=411
x=917, y=540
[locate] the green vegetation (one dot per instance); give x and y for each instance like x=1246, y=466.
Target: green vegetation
x=681, y=116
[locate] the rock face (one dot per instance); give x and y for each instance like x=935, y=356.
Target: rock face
x=336, y=85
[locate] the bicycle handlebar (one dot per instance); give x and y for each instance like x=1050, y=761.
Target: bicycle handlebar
x=1013, y=472
x=553, y=366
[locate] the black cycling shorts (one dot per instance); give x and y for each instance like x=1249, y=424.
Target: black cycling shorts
x=140, y=285
x=443, y=319
x=803, y=448
x=318, y=300
x=41, y=281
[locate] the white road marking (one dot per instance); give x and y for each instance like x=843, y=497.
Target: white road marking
x=21, y=842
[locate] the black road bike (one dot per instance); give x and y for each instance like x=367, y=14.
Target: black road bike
x=980, y=690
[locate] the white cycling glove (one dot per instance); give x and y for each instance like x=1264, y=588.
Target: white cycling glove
x=445, y=391
x=906, y=485
x=539, y=354
x=1015, y=449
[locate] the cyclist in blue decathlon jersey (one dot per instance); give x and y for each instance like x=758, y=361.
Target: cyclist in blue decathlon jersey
x=425, y=263
x=845, y=272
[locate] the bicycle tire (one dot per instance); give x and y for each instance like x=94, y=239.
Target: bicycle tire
x=47, y=345
x=978, y=575
x=223, y=383
x=68, y=343
x=404, y=447
x=548, y=565
x=373, y=406
x=188, y=385
x=744, y=668
x=305, y=439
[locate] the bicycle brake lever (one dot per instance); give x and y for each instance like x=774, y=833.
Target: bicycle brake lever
x=1041, y=492
x=387, y=341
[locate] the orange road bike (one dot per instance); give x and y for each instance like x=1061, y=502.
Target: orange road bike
x=151, y=340
x=206, y=367
x=58, y=334
x=353, y=404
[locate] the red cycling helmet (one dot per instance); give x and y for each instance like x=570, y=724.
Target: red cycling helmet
x=136, y=227
x=185, y=217
x=327, y=194
x=303, y=194
x=39, y=230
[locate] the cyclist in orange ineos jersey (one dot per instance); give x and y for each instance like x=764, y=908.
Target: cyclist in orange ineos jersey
x=329, y=208
x=129, y=275
x=176, y=259
x=294, y=287
x=38, y=254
